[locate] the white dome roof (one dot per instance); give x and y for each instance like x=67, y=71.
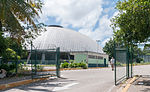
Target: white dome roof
x=66, y=39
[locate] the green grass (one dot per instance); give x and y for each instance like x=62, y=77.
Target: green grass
x=134, y=64
x=48, y=65
x=142, y=63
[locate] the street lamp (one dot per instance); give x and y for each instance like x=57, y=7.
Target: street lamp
x=98, y=41
x=97, y=50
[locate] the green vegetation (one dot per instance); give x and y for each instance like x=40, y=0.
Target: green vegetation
x=14, y=13
x=119, y=64
x=10, y=55
x=132, y=24
x=65, y=65
x=109, y=47
x=10, y=68
x=16, y=17
x=141, y=63
x=39, y=67
x=74, y=65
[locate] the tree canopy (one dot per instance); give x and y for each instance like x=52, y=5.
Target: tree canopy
x=109, y=47
x=15, y=14
x=18, y=19
x=132, y=24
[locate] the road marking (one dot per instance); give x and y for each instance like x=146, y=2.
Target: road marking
x=64, y=87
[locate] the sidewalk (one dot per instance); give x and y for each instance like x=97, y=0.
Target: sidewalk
x=135, y=84
x=142, y=84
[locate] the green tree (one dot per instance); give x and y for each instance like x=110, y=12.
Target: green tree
x=109, y=47
x=13, y=44
x=132, y=24
x=15, y=16
x=16, y=13
x=2, y=44
x=2, y=41
x=146, y=50
x=10, y=55
x=137, y=51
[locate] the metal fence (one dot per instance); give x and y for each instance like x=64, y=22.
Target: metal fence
x=45, y=62
x=123, y=64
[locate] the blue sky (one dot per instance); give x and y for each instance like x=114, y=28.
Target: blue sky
x=89, y=17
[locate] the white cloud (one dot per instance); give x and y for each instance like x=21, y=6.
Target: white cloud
x=83, y=14
x=77, y=13
x=104, y=41
x=103, y=32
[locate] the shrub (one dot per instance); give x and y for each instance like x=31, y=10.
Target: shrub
x=71, y=65
x=76, y=65
x=118, y=64
x=20, y=66
x=39, y=67
x=83, y=65
x=71, y=61
x=5, y=67
x=8, y=67
x=138, y=60
x=65, y=65
x=12, y=66
x=25, y=64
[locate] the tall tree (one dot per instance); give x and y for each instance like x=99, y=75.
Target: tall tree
x=132, y=24
x=109, y=48
x=2, y=41
x=16, y=13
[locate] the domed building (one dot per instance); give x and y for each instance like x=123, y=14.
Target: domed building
x=73, y=46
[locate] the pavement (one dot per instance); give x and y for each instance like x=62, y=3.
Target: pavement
x=89, y=80
x=141, y=84
x=141, y=81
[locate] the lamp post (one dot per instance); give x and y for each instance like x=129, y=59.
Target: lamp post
x=97, y=50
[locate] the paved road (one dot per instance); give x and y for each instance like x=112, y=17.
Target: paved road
x=142, y=84
x=89, y=80
x=141, y=70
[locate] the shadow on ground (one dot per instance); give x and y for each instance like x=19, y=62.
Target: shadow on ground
x=144, y=82
x=42, y=86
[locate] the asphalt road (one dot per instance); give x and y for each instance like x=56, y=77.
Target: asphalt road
x=88, y=80
x=142, y=84
x=141, y=70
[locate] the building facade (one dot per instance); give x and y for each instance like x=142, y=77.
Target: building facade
x=73, y=46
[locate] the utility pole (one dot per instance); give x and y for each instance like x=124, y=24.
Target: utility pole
x=97, y=50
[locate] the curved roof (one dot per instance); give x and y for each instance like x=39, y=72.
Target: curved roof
x=66, y=39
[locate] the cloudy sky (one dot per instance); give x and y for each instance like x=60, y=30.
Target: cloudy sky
x=89, y=17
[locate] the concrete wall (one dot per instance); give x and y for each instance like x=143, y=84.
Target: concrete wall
x=78, y=57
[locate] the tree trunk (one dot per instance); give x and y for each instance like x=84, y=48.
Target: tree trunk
x=0, y=26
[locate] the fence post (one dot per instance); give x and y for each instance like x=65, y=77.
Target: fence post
x=131, y=60
x=16, y=65
x=35, y=63
x=16, y=60
x=114, y=50
x=58, y=62
x=104, y=62
x=127, y=62
x=31, y=61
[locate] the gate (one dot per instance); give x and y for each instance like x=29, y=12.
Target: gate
x=123, y=64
